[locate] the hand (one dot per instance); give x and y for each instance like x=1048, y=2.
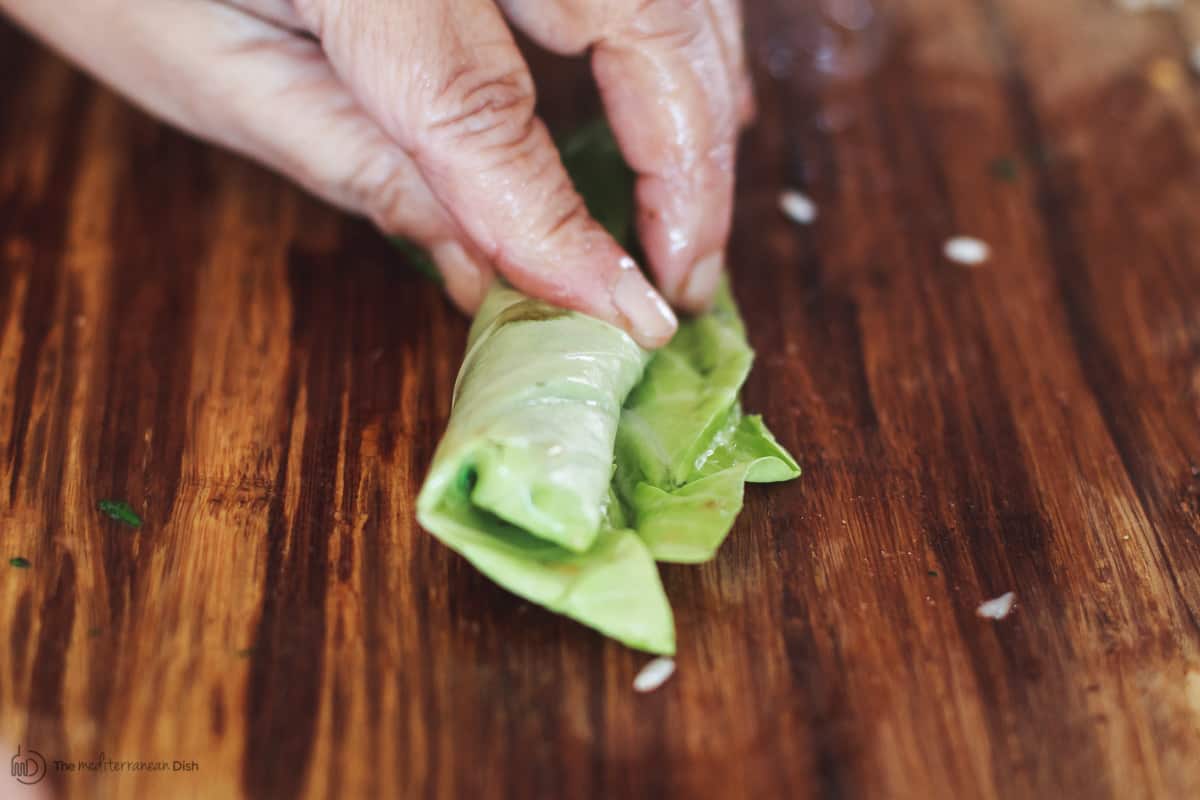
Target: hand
x=420, y=115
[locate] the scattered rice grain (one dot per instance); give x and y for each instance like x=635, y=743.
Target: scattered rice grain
x=798, y=207
x=654, y=675
x=967, y=250
x=997, y=607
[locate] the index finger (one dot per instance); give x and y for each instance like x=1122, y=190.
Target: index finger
x=447, y=81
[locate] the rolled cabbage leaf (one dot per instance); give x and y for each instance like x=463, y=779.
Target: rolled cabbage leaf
x=573, y=459
x=684, y=448
x=520, y=484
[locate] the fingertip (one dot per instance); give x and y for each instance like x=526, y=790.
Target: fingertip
x=647, y=316
x=700, y=285
x=466, y=279
x=683, y=228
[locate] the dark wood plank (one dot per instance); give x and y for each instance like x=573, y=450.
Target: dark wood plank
x=265, y=382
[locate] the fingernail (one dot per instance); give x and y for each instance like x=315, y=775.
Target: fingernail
x=652, y=320
x=701, y=285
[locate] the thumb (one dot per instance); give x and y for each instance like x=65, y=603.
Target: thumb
x=462, y=104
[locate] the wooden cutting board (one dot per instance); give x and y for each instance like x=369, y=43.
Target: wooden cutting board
x=264, y=380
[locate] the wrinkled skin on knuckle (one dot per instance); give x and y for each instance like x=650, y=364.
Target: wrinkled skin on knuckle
x=481, y=108
x=562, y=212
x=558, y=223
x=483, y=138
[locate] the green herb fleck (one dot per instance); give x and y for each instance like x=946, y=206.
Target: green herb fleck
x=245, y=652
x=93, y=632
x=932, y=573
x=19, y=563
x=467, y=479
x=1004, y=168
x=120, y=511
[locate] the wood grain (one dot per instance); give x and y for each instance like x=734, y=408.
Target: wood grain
x=264, y=381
